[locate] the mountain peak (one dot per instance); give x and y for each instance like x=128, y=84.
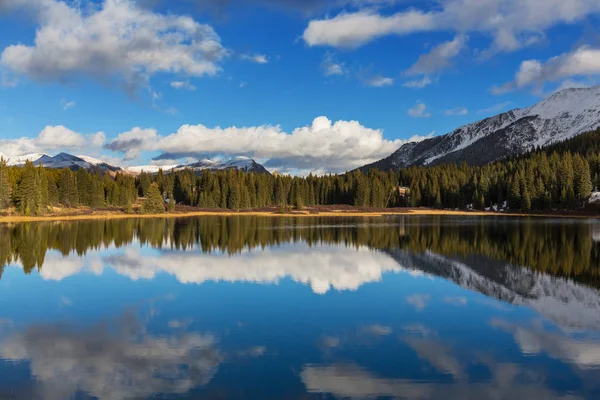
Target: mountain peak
x=559, y=117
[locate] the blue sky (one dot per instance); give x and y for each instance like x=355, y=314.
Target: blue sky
x=298, y=85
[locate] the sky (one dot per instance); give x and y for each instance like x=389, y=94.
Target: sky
x=299, y=85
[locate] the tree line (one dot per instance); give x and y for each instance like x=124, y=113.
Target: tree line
x=561, y=176
x=565, y=250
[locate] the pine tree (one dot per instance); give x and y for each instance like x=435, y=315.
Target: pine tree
x=582, y=179
x=514, y=194
x=233, y=197
x=27, y=194
x=154, y=202
x=526, y=201
x=97, y=195
x=171, y=202
x=5, y=189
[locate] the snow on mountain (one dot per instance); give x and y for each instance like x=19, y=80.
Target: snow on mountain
x=151, y=169
x=568, y=304
x=64, y=160
x=561, y=116
x=240, y=163
x=20, y=160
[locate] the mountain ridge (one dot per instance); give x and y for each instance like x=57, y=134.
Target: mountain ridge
x=66, y=160
x=559, y=117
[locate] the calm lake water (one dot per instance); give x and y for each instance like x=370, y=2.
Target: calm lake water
x=268, y=308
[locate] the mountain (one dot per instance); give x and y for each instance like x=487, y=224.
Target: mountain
x=64, y=160
x=240, y=163
x=561, y=116
x=20, y=160
x=569, y=304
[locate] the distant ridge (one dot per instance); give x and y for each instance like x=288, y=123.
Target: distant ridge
x=239, y=163
x=561, y=116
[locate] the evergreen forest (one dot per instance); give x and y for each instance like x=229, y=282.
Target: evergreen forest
x=558, y=177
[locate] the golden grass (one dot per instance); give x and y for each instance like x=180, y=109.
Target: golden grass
x=299, y=214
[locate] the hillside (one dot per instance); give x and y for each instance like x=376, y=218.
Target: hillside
x=562, y=116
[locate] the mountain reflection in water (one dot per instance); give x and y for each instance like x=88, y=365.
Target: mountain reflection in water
x=215, y=307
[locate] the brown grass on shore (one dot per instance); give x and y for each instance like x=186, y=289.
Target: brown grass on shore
x=326, y=211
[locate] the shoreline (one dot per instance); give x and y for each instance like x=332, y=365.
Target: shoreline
x=275, y=214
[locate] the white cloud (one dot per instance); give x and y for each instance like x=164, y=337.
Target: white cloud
x=132, y=363
x=418, y=83
x=97, y=139
x=134, y=141
x=333, y=146
x=378, y=81
x=582, y=62
x=439, y=58
x=323, y=268
x=50, y=138
x=115, y=40
x=67, y=104
x=182, y=85
x=511, y=24
x=255, y=58
x=351, y=30
x=456, y=111
x=583, y=351
x=419, y=111
x=330, y=66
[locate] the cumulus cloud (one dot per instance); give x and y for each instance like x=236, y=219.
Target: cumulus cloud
x=419, y=111
x=323, y=268
x=255, y=58
x=333, y=146
x=131, y=363
x=532, y=340
x=511, y=24
x=439, y=58
x=115, y=41
x=182, y=85
x=50, y=138
x=418, y=83
x=456, y=111
x=133, y=141
x=582, y=62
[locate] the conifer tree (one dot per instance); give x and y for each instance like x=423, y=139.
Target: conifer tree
x=154, y=202
x=27, y=194
x=582, y=179
x=5, y=189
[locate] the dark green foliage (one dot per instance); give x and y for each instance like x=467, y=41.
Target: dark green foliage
x=5, y=189
x=154, y=202
x=559, y=177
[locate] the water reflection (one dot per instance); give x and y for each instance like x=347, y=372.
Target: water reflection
x=408, y=308
x=116, y=360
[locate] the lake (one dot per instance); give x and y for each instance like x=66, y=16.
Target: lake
x=282, y=308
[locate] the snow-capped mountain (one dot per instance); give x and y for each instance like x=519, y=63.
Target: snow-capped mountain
x=20, y=160
x=561, y=116
x=240, y=163
x=64, y=160
x=569, y=304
